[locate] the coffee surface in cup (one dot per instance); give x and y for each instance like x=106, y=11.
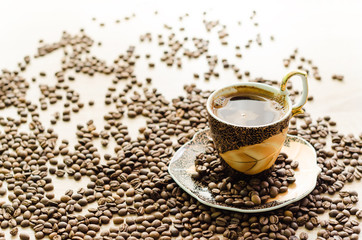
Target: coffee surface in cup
x=247, y=109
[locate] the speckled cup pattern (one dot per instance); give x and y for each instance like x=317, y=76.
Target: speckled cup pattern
x=229, y=137
x=182, y=166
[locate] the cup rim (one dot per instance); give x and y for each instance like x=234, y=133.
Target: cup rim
x=252, y=84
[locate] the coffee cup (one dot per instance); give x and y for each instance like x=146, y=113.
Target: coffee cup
x=249, y=122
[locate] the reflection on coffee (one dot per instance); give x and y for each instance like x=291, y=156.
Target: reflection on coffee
x=245, y=109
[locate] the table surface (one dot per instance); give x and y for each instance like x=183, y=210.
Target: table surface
x=327, y=32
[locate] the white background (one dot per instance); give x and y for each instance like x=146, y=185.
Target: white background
x=327, y=32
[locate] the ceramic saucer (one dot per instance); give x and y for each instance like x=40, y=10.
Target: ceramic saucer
x=182, y=165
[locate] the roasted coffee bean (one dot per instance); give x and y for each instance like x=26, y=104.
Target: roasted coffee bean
x=24, y=236
x=118, y=220
x=133, y=180
x=14, y=231
x=2, y=191
x=309, y=226
x=39, y=235
x=217, y=172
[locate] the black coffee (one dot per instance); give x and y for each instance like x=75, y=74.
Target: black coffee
x=245, y=109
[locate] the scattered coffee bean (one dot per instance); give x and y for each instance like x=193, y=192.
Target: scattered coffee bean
x=230, y=187
x=24, y=236
x=131, y=185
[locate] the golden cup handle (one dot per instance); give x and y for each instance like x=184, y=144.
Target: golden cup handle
x=296, y=108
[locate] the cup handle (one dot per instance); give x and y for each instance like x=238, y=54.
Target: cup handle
x=296, y=108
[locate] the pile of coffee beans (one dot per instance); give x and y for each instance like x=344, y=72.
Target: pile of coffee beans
x=130, y=187
x=233, y=188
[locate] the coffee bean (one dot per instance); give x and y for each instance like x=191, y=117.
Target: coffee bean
x=202, y=164
x=130, y=192
x=24, y=236
x=2, y=191
x=104, y=219
x=138, y=166
x=39, y=235
x=221, y=222
x=309, y=226
x=256, y=199
x=14, y=231
x=118, y=220
x=93, y=227
x=333, y=213
x=273, y=191
x=149, y=209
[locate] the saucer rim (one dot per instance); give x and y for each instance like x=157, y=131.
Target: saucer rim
x=182, y=149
